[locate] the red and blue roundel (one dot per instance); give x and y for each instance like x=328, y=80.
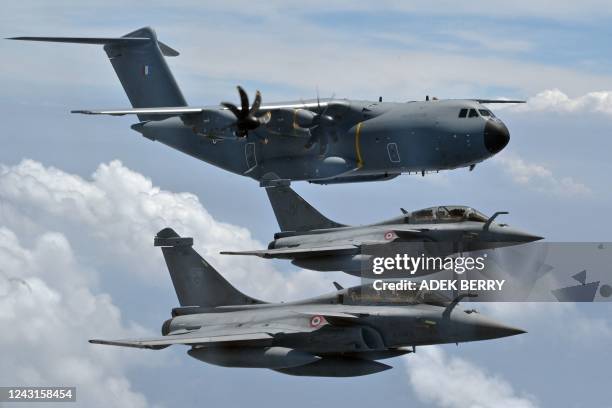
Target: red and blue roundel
x=317, y=320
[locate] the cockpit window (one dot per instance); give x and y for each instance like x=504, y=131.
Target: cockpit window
x=486, y=113
x=366, y=294
x=422, y=215
x=477, y=216
x=473, y=113
x=446, y=213
x=463, y=113
x=450, y=213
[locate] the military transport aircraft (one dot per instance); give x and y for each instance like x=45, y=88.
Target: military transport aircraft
x=315, y=242
x=341, y=334
x=322, y=140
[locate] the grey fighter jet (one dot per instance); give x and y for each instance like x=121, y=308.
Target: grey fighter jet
x=315, y=242
x=321, y=140
x=341, y=334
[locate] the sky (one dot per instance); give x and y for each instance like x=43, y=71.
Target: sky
x=82, y=197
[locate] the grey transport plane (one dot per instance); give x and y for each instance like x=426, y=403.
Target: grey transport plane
x=323, y=141
x=312, y=241
x=341, y=334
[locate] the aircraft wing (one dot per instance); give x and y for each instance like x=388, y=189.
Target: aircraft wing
x=296, y=252
x=186, y=110
x=176, y=110
x=203, y=337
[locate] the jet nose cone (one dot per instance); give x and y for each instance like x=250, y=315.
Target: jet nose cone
x=500, y=330
x=515, y=235
x=532, y=238
x=496, y=136
x=485, y=329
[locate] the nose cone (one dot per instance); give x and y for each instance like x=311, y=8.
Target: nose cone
x=485, y=329
x=513, y=235
x=478, y=327
x=496, y=136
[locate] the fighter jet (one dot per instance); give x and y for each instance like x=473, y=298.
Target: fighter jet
x=320, y=140
x=341, y=334
x=315, y=242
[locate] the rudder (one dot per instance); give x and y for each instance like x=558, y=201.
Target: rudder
x=293, y=213
x=195, y=281
x=143, y=71
x=138, y=60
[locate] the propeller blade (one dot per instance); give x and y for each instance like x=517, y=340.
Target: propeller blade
x=314, y=137
x=322, y=144
x=245, y=116
x=244, y=101
x=256, y=103
x=265, y=118
x=233, y=108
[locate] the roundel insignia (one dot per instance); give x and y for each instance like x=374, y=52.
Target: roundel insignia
x=316, y=321
x=389, y=235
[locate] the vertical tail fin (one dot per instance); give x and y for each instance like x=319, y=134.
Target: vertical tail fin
x=196, y=282
x=143, y=71
x=293, y=213
x=138, y=60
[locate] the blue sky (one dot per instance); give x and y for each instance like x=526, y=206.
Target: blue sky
x=78, y=226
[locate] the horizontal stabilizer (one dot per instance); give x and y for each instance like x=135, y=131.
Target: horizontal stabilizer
x=121, y=41
x=87, y=40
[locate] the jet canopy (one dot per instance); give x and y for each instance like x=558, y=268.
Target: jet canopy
x=367, y=295
x=446, y=213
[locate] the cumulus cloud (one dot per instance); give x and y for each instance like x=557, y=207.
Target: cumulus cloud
x=48, y=313
x=48, y=305
x=554, y=100
x=119, y=211
x=540, y=178
x=453, y=382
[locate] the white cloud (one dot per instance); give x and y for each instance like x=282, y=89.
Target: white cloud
x=307, y=54
x=554, y=100
x=48, y=314
x=540, y=178
x=119, y=211
x=453, y=382
x=47, y=305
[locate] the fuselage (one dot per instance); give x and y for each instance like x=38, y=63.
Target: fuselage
x=378, y=328
x=436, y=231
x=374, y=141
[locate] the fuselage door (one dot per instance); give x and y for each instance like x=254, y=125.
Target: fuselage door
x=393, y=152
x=249, y=153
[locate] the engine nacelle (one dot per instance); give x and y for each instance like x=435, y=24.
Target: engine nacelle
x=291, y=122
x=250, y=357
x=214, y=124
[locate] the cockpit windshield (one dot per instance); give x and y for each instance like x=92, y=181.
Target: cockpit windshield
x=446, y=213
x=474, y=113
x=367, y=295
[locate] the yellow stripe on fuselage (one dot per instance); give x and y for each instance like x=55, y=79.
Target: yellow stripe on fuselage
x=357, y=146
